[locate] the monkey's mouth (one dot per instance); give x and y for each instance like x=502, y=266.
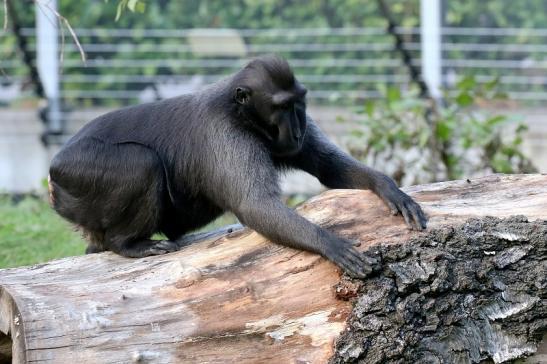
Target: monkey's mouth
x=286, y=147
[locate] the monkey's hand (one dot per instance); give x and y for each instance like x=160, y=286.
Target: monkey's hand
x=400, y=202
x=342, y=253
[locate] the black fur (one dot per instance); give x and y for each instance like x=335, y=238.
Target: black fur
x=174, y=165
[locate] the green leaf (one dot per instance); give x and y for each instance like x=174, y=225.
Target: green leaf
x=423, y=138
x=357, y=133
x=443, y=131
x=369, y=108
x=501, y=95
x=452, y=160
x=131, y=4
x=119, y=10
x=379, y=145
x=492, y=84
x=464, y=99
x=141, y=7
x=500, y=164
x=508, y=151
x=521, y=128
x=466, y=83
x=467, y=142
x=495, y=120
x=393, y=94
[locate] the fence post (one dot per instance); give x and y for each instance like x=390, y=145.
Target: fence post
x=430, y=31
x=47, y=61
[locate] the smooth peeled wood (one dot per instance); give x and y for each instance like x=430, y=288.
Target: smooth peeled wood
x=231, y=297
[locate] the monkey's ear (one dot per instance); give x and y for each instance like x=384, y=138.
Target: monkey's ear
x=242, y=95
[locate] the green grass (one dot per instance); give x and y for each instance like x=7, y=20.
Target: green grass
x=31, y=232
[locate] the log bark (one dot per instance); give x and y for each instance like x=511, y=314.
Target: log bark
x=463, y=291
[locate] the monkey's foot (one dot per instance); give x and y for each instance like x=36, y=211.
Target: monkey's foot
x=146, y=248
x=161, y=247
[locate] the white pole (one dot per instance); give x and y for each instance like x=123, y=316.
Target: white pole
x=47, y=58
x=430, y=21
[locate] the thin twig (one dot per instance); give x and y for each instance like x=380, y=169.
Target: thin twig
x=75, y=38
x=63, y=42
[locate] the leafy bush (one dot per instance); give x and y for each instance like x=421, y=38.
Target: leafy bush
x=425, y=141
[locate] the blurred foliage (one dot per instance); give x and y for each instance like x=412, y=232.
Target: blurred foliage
x=133, y=5
x=273, y=14
x=425, y=141
x=496, y=13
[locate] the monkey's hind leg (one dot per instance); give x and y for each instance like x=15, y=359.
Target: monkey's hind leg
x=137, y=248
x=137, y=204
x=116, y=193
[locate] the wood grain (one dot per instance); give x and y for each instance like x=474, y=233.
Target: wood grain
x=231, y=297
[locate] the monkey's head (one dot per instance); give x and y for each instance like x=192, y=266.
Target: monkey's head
x=272, y=101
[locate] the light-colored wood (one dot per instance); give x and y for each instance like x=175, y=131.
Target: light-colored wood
x=231, y=298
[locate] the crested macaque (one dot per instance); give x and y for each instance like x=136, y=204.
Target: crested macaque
x=174, y=165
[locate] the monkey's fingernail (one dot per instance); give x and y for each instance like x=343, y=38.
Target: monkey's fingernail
x=357, y=244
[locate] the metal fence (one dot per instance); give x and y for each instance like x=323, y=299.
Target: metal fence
x=343, y=65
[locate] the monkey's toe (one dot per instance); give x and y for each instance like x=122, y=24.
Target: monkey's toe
x=162, y=247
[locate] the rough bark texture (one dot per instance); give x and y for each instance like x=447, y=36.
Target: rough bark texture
x=457, y=295
x=235, y=297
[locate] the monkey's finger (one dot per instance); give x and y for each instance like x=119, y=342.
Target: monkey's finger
x=392, y=207
x=414, y=224
x=351, y=258
x=406, y=216
x=419, y=217
x=355, y=271
x=362, y=263
x=359, y=264
x=353, y=264
x=413, y=208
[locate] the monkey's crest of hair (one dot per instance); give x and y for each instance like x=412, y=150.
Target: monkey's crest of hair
x=275, y=67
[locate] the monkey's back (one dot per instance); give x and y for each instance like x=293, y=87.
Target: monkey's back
x=146, y=124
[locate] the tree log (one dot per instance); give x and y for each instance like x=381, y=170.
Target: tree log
x=463, y=291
